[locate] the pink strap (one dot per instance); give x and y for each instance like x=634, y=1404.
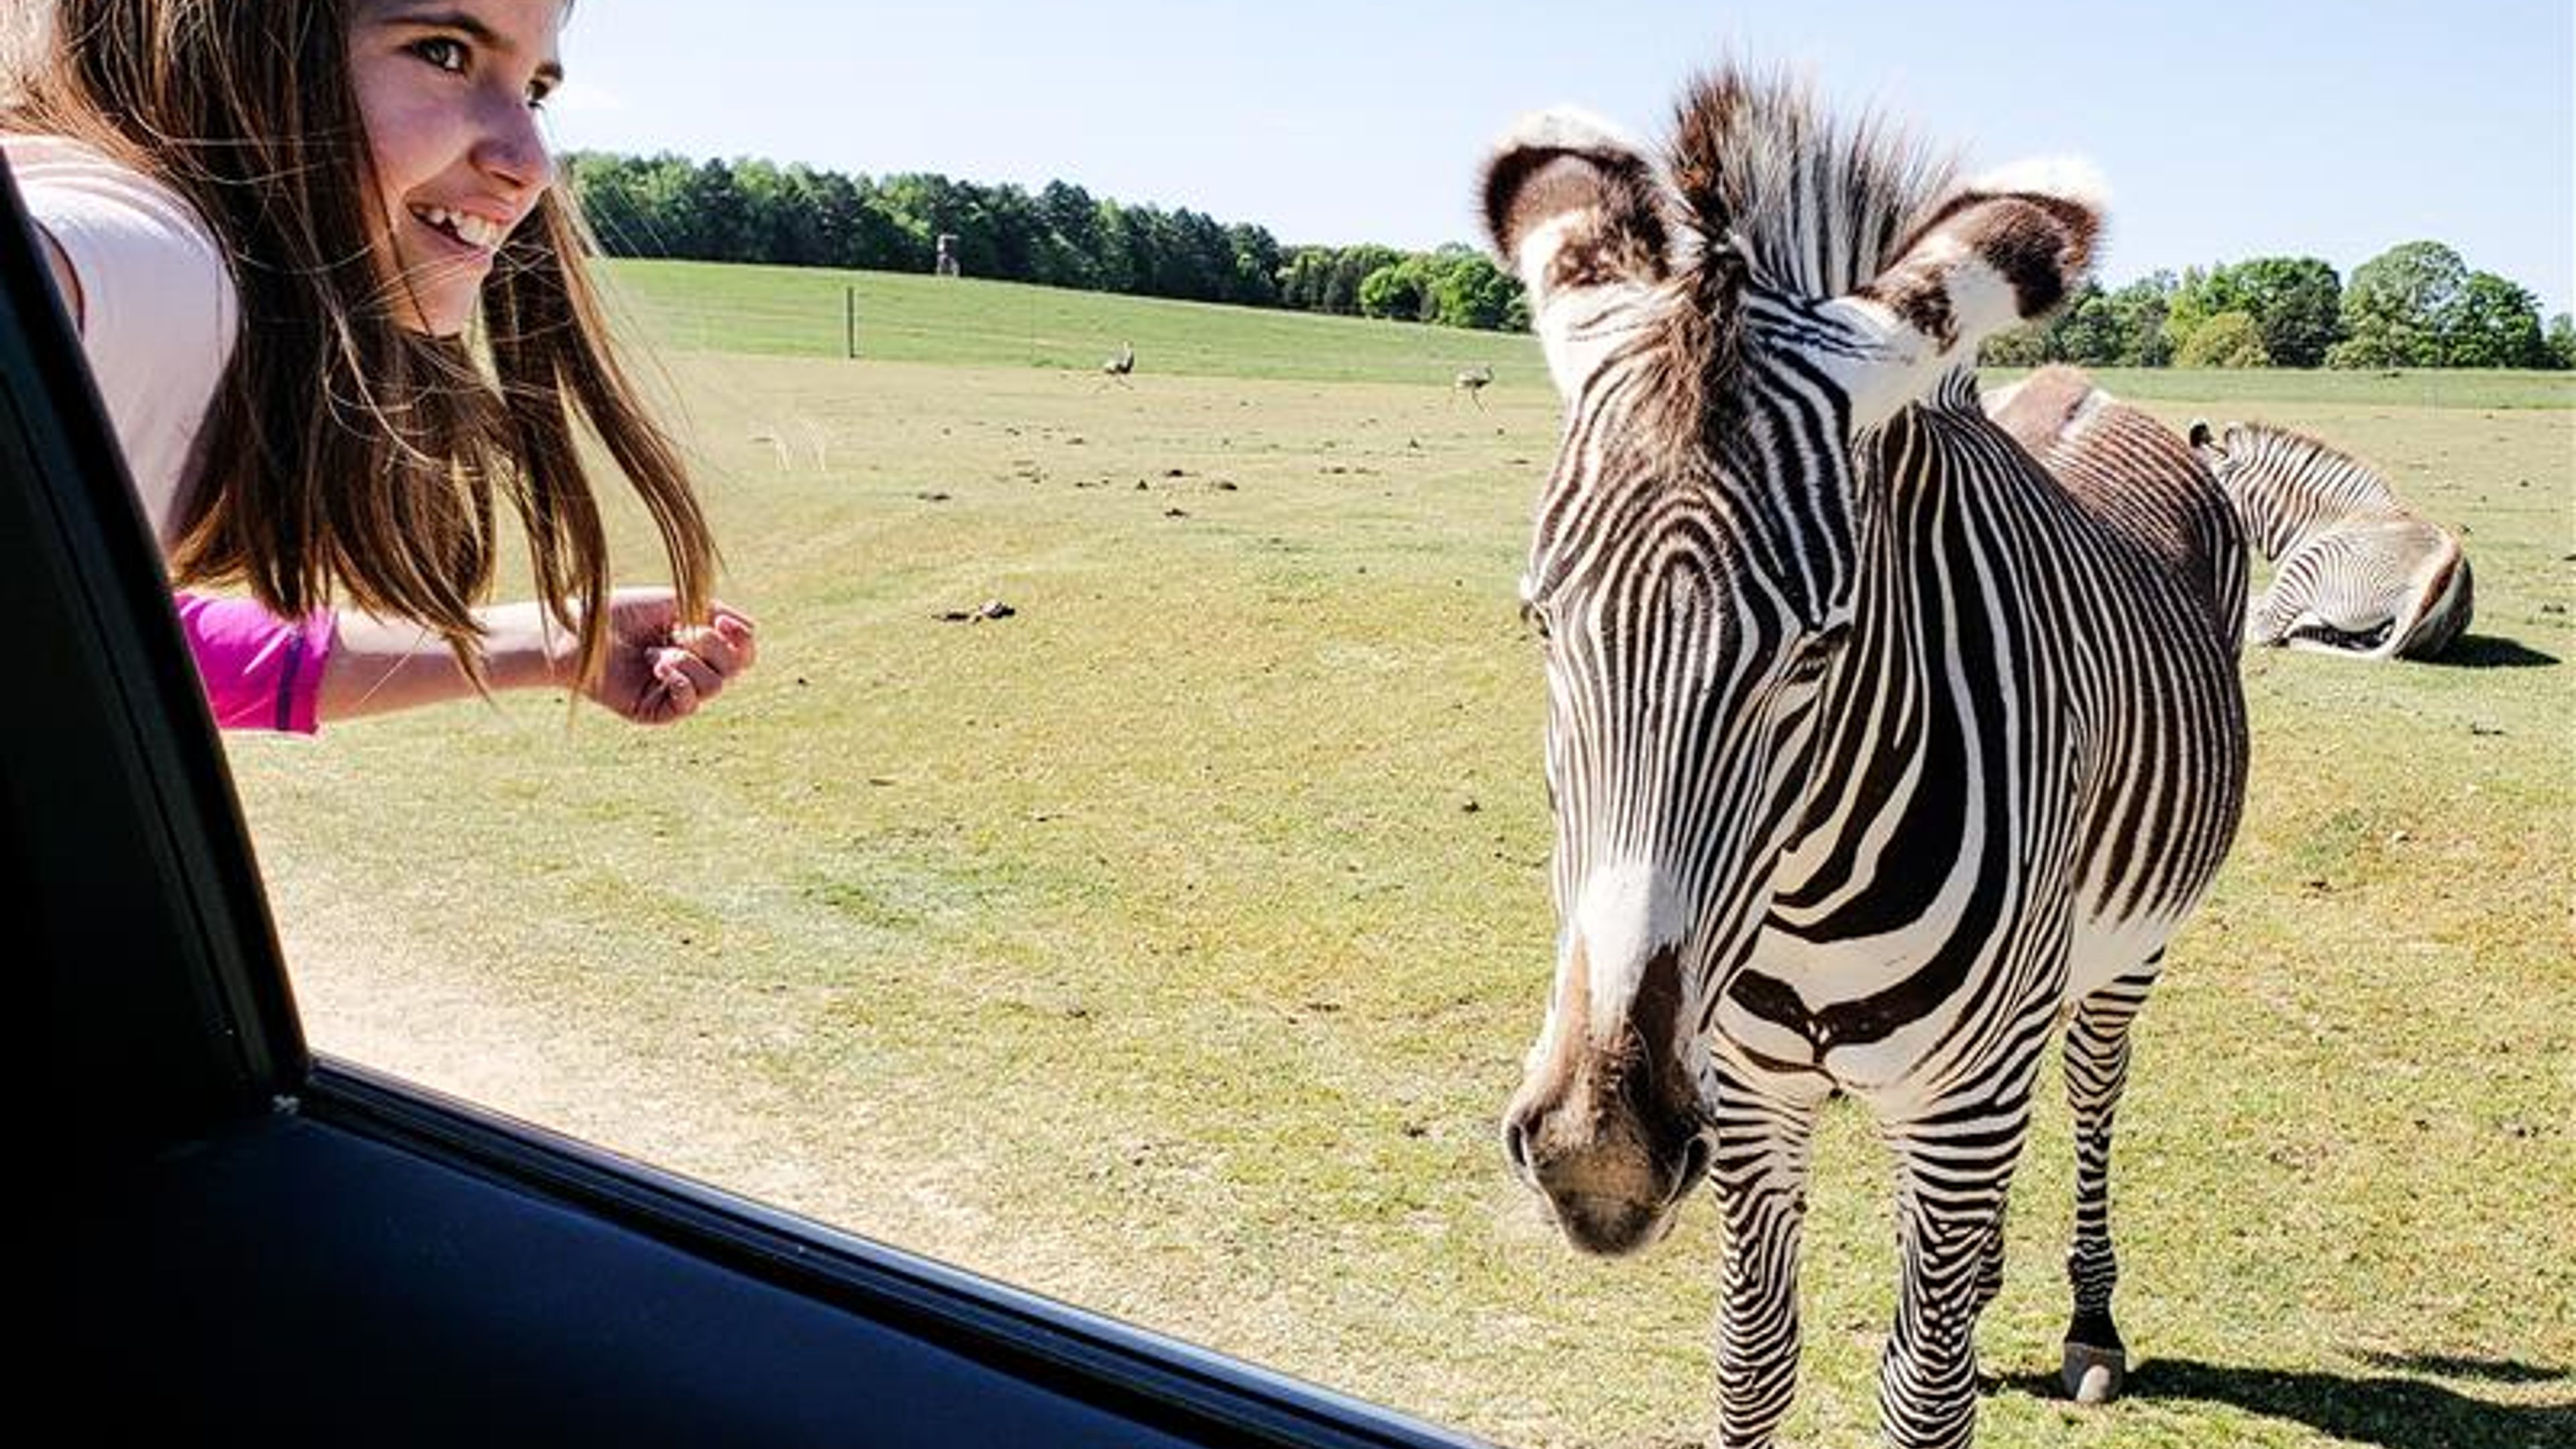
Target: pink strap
x=261, y=672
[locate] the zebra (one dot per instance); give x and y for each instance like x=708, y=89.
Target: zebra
x=2359, y=573
x=1875, y=754
x=2101, y=450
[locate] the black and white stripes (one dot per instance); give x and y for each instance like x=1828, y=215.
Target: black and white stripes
x=2359, y=572
x=1878, y=750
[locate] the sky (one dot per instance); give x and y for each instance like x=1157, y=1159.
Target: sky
x=2226, y=129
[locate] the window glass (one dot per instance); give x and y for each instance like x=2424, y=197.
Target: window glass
x=1164, y=943
x=1125, y=871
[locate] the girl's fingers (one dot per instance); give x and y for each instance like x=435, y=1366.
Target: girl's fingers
x=673, y=694
x=737, y=631
x=679, y=666
x=726, y=654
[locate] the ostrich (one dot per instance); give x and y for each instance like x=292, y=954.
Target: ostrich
x=1472, y=381
x=1124, y=363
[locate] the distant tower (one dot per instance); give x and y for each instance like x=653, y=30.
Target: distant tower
x=947, y=264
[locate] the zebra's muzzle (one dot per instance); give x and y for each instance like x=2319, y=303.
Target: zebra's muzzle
x=1610, y=1190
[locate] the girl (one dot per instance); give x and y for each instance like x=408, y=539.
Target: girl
x=277, y=226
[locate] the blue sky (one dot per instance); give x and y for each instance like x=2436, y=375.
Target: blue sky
x=2225, y=130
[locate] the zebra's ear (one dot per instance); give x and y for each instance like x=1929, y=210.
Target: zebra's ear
x=2202, y=438
x=2004, y=249
x=1575, y=209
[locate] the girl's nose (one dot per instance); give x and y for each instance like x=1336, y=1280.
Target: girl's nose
x=512, y=150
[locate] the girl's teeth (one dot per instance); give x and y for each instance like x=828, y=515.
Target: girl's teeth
x=473, y=230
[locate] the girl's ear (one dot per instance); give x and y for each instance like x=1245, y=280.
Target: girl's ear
x=2005, y=249
x=1575, y=209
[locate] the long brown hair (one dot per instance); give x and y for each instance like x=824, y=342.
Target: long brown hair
x=346, y=457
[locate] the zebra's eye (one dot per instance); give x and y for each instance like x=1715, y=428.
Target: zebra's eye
x=1816, y=653
x=1535, y=618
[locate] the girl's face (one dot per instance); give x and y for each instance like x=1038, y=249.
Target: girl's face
x=449, y=91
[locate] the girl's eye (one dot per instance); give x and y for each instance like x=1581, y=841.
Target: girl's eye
x=442, y=51
x=537, y=97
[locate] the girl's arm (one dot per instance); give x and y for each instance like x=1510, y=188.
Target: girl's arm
x=658, y=669
x=260, y=672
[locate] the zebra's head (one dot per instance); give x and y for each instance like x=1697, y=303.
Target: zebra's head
x=1721, y=329
x=2215, y=450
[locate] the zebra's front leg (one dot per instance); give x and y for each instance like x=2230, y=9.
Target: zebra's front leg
x=1760, y=1169
x=2097, y=1068
x=1990, y=1267
x=1953, y=1173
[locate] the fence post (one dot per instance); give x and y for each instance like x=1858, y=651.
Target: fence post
x=850, y=321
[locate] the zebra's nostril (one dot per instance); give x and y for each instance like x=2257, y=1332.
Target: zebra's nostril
x=1694, y=1162
x=1516, y=1144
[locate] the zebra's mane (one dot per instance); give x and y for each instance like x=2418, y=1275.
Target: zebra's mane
x=1803, y=201
x=2287, y=455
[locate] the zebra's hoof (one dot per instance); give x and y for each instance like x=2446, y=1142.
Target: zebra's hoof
x=2093, y=1375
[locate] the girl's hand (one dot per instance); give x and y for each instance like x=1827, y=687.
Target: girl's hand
x=659, y=670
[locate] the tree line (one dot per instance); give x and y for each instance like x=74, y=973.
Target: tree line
x=2415, y=305
x=1057, y=236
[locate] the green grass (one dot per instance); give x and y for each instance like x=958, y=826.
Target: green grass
x=1171, y=946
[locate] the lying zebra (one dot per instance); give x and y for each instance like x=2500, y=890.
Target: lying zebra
x=2359, y=572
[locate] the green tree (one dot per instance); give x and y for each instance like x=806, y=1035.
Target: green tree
x=1011, y=229
x=2294, y=302
x=2191, y=303
x=2139, y=310
x=872, y=238
x=1302, y=276
x=1199, y=262
x=2394, y=311
x=1399, y=291
x=1352, y=266
x=764, y=231
x=1472, y=292
x=665, y=204
x=2019, y=347
x=1071, y=247
x=2230, y=339
x=2492, y=323
x=1255, y=279
x=720, y=226
x=609, y=191
x=1127, y=247
x=2561, y=342
x=2087, y=330
x=915, y=206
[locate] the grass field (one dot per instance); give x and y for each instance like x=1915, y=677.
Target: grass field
x=1170, y=946
x=893, y=317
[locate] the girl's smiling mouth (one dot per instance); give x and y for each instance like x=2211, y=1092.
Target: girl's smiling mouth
x=480, y=233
